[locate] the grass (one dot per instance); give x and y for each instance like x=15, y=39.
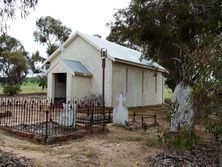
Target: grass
x=28, y=88
x=167, y=93
x=152, y=142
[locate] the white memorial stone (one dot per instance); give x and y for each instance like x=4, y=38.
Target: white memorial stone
x=68, y=115
x=120, y=112
x=182, y=115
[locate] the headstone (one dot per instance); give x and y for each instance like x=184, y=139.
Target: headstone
x=120, y=112
x=182, y=115
x=68, y=115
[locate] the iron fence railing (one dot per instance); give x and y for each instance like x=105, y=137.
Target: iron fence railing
x=42, y=117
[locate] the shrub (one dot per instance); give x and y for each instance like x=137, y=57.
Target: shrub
x=11, y=89
x=42, y=81
x=186, y=138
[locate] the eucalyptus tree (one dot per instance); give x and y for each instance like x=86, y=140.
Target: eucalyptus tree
x=50, y=32
x=185, y=37
x=13, y=64
x=9, y=9
x=168, y=31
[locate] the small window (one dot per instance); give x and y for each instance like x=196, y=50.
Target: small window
x=155, y=83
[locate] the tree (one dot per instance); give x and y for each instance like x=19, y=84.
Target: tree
x=50, y=32
x=9, y=8
x=8, y=43
x=33, y=62
x=207, y=92
x=42, y=81
x=184, y=37
x=13, y=64
x=168, y=32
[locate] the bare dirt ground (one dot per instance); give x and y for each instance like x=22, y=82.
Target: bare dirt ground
x=118, y=147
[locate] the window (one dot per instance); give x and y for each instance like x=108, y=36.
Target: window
x=126, y=80
x=142, y=81
x=155, y=75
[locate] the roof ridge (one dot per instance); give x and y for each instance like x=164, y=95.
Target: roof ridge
x=115, y=51
x=112, y=43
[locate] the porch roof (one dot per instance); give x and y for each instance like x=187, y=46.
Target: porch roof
x=76, y=67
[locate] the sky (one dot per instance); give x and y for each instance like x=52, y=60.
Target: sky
x=86, y=16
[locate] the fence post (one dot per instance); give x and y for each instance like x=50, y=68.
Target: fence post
x=142, y=120
x=134, y=116
x=46, y=126
x=109, y=117
x=154, y=118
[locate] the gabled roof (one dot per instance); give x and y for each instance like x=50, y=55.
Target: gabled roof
x=74, y=67
x=116, y=53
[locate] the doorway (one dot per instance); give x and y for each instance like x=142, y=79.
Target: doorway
x=60, y=87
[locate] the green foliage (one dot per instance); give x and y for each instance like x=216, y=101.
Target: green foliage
x=168, y=32
x=207, y=92
x=11, y=89
x=184, y=139
x=214, y=126
x=29, y=87
x=51, y=49
x=8, y=43
x=42, y=81
x=152, y=142
x=35, y=59
x=168, y=114
x=9, y=8
x=184, y=37
x=50, y=32
x=13, y=64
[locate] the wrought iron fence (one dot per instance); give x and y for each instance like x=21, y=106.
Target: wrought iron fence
x=41, y=117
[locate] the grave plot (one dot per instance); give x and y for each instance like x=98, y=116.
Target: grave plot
x=41, y=119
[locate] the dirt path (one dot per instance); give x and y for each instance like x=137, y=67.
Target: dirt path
x=117, y=148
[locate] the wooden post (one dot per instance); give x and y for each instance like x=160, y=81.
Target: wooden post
x=134, y=116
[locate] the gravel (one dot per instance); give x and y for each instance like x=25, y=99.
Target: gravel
x=9, y=160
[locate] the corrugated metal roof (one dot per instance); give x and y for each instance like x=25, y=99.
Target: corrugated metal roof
x=115, y=52
x=75, y=67
x=121, y=52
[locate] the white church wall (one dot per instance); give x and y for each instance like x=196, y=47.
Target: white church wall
x=80, y=50
x=141, y=89
x=138, y=84
x=80, y=86
x=153, y=93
